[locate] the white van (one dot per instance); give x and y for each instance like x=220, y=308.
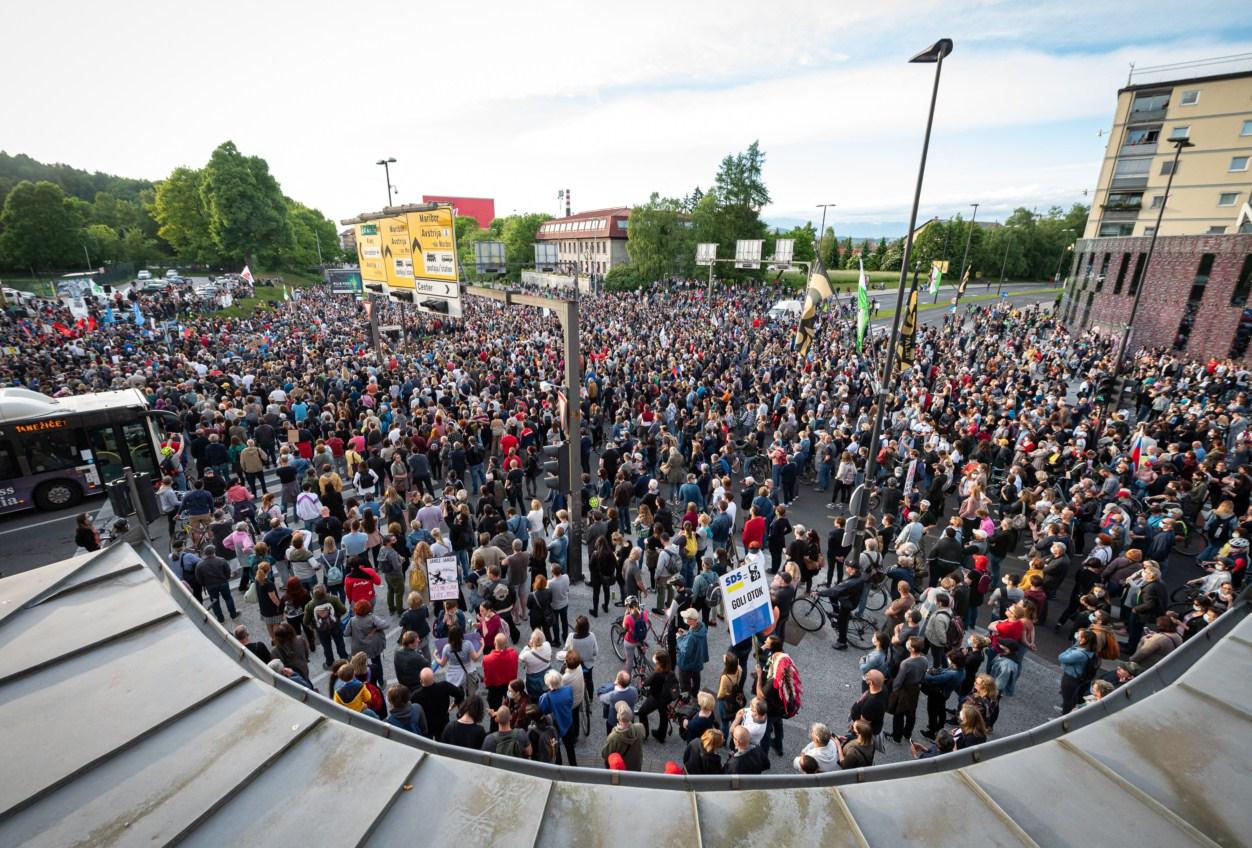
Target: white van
x=785, y=310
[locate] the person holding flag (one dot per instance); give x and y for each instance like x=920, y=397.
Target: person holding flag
x=862, y=308
x=817, y=292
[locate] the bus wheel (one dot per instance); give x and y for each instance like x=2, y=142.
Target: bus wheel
x=57, y=494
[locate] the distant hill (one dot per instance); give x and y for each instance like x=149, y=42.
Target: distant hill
x=75, y=182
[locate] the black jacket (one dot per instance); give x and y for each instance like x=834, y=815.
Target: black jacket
x=1153, y=601
x=752, y=761
x=698, y=761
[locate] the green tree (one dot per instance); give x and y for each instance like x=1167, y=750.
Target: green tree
x=103, y=243
x=661, y=239
x=623, y=278
x=247, y=211
x=740, y=181
x=182, y=219
x=39, y=227
x=518, y=234
x=805, y=237
x=311, y=230
x=830, y=249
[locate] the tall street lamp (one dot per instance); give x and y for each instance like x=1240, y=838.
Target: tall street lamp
x=821, y=233
x=934, y=54
x=968, y=237
x=1060, y=260
x=386, y=163
x=1180, y=144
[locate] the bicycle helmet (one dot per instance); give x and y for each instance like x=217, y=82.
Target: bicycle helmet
x=631, y=601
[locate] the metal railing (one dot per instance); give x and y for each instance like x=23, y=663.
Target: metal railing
x=1164, y=673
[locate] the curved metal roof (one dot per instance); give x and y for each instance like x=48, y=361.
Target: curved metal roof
x=120, y=725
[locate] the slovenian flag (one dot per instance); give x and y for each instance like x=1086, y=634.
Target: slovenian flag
x=1136, y=449
x=936, y=276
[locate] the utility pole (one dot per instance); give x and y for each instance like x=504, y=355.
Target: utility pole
x=566, y=310
x=969, y=236
x=854, y=535
x=1179, y=145
x=387, y=163
x=318, y=239
x=1005, y=263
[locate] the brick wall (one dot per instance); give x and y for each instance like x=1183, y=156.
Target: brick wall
x=1167, y=288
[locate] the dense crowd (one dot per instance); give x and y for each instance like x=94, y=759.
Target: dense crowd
x=319, y=481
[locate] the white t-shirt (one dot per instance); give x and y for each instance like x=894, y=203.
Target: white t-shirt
x=755, y=730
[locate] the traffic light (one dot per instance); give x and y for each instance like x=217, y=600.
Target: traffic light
x=1106, y=390
x=399, y=296
x=434, y=305
x=556, y=468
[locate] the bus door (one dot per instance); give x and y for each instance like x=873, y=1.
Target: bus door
x=116, y=446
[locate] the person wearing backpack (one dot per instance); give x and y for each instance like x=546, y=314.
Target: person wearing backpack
x=668, y=565
x=942, y=629
x=183, y=563
x=323, y=614
x=405, y=714
x=507, y=741
x=1079, y=665
x=635, y=639
x=333, y=560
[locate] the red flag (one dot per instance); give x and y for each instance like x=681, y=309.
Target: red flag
x=62, y=329
x=91, y=322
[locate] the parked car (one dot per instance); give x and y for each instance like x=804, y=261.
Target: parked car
x=144, y=275
x=171, y=274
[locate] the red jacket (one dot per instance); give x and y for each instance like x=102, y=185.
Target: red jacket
x=361, y=589
x=500, y=667
x=754, y=531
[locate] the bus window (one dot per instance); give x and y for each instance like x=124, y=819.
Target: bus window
x=8, y=462
x=139, y=446
x=107, y=451
x=51, y=451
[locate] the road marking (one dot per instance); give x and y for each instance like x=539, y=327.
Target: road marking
x=37, y=524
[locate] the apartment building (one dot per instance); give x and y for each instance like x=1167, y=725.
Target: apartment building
x=1197, y=277
x=588, y=242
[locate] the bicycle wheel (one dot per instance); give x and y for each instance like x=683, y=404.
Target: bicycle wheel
x=586, y=711
x=861, y=633
x=1190, y=544
x=876, y=599
x=1182, y=595
x=617, y=634
x=758, y=468
x=807, y=614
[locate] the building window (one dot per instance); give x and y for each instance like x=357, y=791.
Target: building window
x=1132, y=168
x=1121, y=274
x=1115, y=230
x=1216, y=231
x=1227, y=198
x=1149, y=103
x=1142, y=135
x=1189, y=98
x=1104, y=271
x=1168, y=167
x=1137, y=277
x=1193, y=301
x=1086, y=310
x=1238, y=163
x=1243, y=334
x=1158, y=201
x=1149, y=231
x=1124, y=200
x=1180, y=132
x=1247, y=128
x=1244, y=283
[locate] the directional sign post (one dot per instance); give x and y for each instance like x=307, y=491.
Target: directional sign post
x=409, y=253
x=748, y=253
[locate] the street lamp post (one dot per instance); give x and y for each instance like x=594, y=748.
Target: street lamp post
x=1005, y=263
x=386, y=163
x=1179, y=145
x=933, y=54
x=947, y=241
x=1060, y=260
x=969, y=236
x=821, y=233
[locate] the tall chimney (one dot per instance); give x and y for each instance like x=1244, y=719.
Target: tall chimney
x=567, y=213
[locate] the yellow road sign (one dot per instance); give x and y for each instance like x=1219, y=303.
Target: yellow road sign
x=397, y=255
x=369, y=250
x=432, y=243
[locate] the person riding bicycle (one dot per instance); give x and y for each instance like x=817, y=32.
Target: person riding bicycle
x=636, y=624
x=844, y=596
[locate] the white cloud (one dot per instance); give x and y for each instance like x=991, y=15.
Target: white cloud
x=515, y=101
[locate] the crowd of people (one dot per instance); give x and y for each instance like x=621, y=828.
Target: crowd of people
x=319, y=481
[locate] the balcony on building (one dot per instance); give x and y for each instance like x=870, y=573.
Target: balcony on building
x=1148, y=107
x=1140, y=141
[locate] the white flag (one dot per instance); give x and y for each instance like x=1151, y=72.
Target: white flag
x=246, y=274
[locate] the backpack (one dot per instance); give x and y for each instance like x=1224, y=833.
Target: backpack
x=324, y=623
x=639, y=628
x=507, y=744
x=956, y=631
x=984, y=583
x=334, y=571
x=667, y=564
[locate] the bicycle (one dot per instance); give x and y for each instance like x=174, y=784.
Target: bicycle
x=617, y=633
x=808, y=614
x=878, y=594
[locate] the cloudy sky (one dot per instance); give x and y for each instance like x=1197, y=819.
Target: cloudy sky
x=517, y=100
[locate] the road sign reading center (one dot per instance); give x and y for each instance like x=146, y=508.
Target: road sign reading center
x=432, y=244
